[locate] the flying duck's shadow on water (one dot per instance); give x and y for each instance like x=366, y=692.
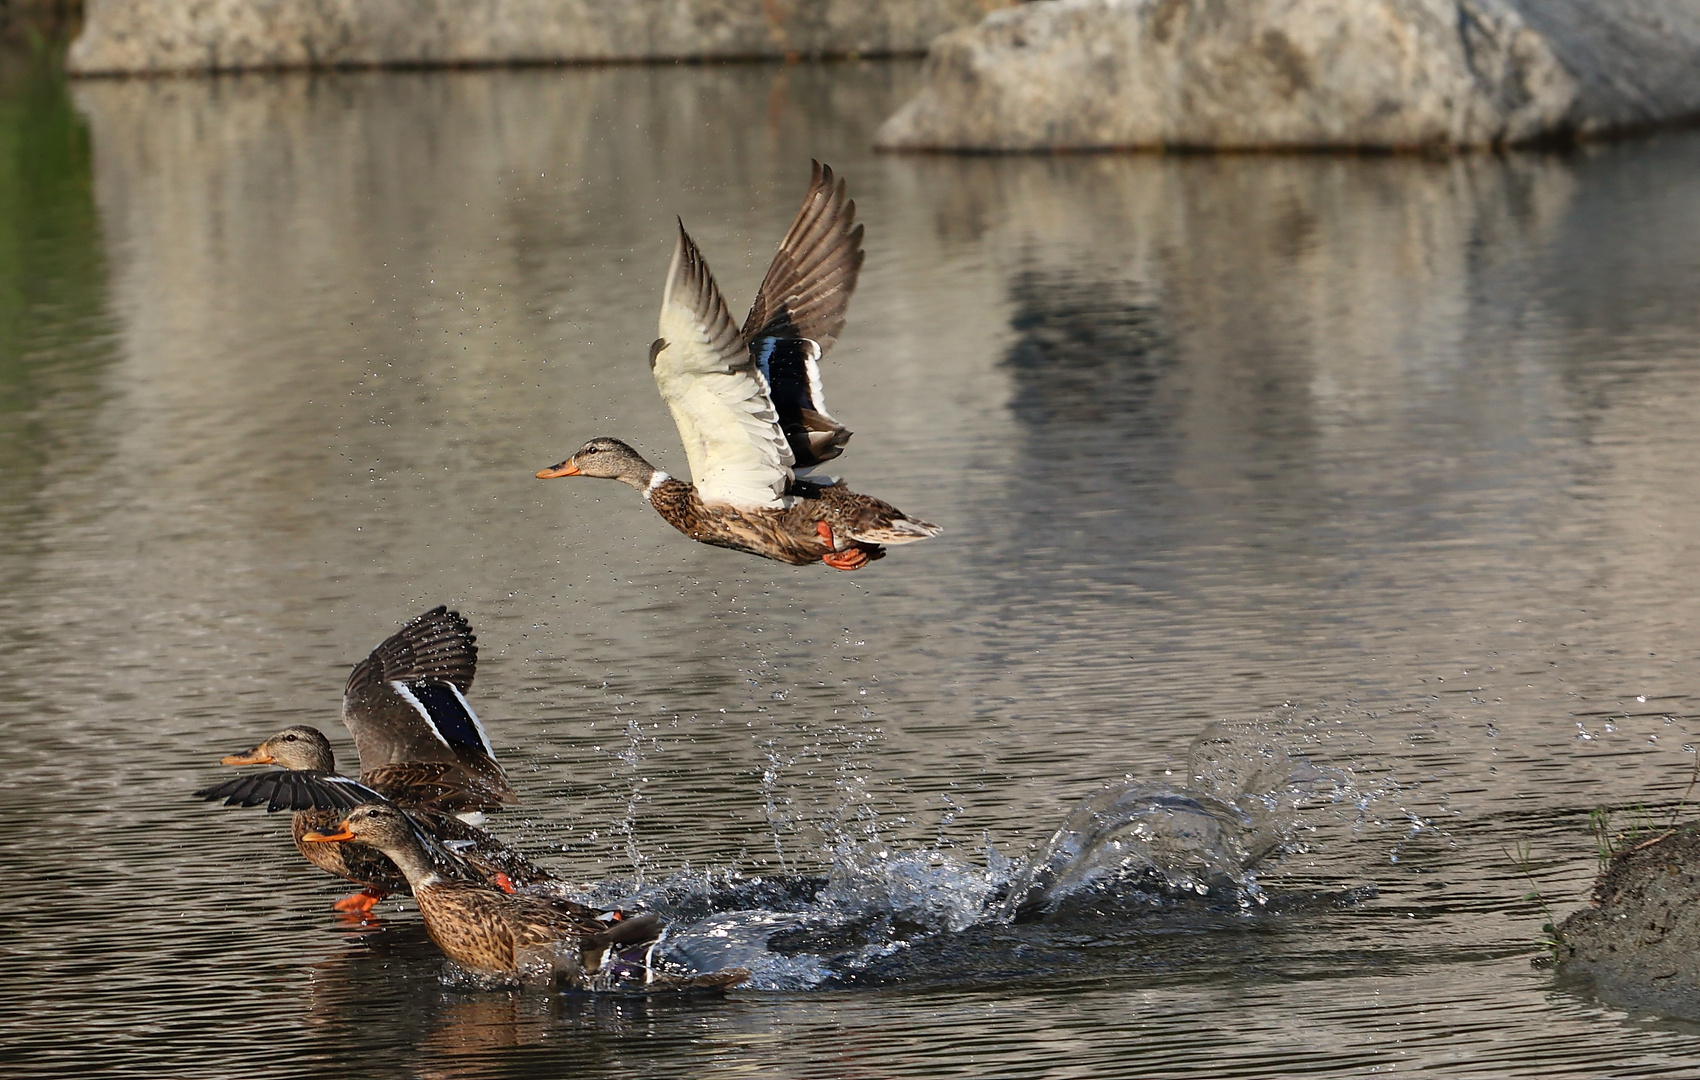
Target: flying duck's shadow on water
x=1141, y=875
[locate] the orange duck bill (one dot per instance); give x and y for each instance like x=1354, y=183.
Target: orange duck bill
x=565, y=468
x=343, y=832
x=255, y=756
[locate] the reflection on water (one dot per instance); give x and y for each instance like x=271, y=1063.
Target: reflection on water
x=1393, y=454
x=53, y=339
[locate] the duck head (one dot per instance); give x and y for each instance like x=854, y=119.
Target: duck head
x=298, y=747
x=374, y=824
x=608, y=458
x=387, y=829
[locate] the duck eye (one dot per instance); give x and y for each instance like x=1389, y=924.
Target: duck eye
x=290, y=737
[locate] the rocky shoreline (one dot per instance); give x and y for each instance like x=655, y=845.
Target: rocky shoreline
x=1009, y=77
x=151, y=37
x=1303, y=74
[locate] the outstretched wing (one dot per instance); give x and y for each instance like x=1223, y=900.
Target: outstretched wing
x=799, y=312
x=718, y=397
x=808, y=285
x=292, y=789
x=438, y=646
x=405, y=704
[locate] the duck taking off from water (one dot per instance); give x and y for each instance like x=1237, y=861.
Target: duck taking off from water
x=530, y=939
x=749, y=407
x=421, y=747
x=308, y=784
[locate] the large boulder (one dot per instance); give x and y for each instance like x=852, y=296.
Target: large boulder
x=1251, y=74
x=1639, y=944
x=136, y=36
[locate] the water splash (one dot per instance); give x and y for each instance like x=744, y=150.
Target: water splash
x=1133, y=851
x=1158, y=844
x=776, y=804
x=1152, y=841
x=631, y=757
x=928, y=890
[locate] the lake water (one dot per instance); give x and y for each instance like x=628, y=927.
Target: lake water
x=1357, y=494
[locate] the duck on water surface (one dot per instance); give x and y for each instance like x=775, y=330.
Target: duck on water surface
x=522, y=938
x=421, y=747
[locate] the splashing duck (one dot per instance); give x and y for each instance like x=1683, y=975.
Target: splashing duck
x=749, y=407
x=523, y=938
x=421, y=748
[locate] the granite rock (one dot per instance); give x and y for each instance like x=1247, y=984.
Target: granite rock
x=1257, y=74
x=157, y=36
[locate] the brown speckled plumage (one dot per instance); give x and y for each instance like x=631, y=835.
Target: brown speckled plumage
x=308, y=784
x=790, y=535
x=421, y=749
x=519, y=937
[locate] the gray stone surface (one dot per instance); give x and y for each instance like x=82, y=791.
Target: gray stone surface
x=142, y=36
x=1250, y=74
x=1639, y=944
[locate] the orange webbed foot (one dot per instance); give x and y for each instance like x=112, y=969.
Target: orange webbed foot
x=848, y=559
x=504, y=882
x=360, y=903
x=851, y=558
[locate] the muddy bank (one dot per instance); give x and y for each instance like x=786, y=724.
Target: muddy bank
x=1639, y=944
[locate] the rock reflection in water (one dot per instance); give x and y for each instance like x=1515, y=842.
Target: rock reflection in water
x=1088, y=357
x=55, y=339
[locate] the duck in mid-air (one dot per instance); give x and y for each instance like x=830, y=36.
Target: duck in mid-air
x=749, y=407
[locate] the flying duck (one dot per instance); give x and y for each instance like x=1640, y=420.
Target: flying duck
x=749, y=407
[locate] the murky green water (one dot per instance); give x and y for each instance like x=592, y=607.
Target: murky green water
x=1389, y=460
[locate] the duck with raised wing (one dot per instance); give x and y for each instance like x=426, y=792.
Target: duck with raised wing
x=530, y=939
x=749, y=407
x=421, y=748
x=308, y=784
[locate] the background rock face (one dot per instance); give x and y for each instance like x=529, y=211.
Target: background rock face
x=133, y=36
x=1098, y=74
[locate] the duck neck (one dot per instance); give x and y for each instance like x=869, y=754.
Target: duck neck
x=411, y=860
x=645, y=478
x=656, y=478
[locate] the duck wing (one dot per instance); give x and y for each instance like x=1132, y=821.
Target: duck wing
x=486, y=855
x=438, y=646
x=405, y=705
x=449, y=787
x=702, y=365
x=538, y=920
x=799, y=312
x=292, y=789
x=610, y=946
